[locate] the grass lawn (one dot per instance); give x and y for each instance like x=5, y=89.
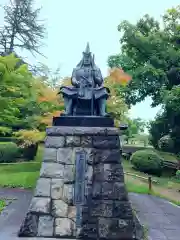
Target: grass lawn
x=22, y=175
x=2, y=205
x=165, y=187
x=167, y=156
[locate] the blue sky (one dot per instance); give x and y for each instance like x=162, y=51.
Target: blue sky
x=71, y=23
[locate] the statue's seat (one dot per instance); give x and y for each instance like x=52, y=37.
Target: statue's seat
x=83, y=107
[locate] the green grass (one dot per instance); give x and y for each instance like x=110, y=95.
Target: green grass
x=136, y=188
x=2, y=205
x=164, y=181
x=131, y=187
x=166, y=187
x=22, y=175
x=167, y=156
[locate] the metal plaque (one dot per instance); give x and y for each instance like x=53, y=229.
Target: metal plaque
x=79, y=189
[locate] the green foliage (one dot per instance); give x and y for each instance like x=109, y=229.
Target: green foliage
x=27, y=138
x=168, y=121
x=24, y=100
x=135, y=126
x=18, y=99
x=158, y=128
x=151, y=54
x=8, y=152
x=5, y=131
x=166, y=144
x=178, y=174
x=147, y=162
x=2, y=205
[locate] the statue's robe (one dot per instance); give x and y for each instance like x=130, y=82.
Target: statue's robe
x=81, y=89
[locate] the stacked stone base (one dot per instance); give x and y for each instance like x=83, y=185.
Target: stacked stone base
x=105, y=213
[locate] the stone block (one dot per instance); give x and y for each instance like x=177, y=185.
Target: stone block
x=63, y=227
x=54, y=142
x=69, y=173
x=80, y=131
x=89, y=175
x=122, y=210
x=68, y=193
x=57, y=188
x=102, y=208
x=108, y=172
x=97, y=190
x=73, y=141
x=86, y=141
x=52, y=170
x=50, y=155
x=113, y=172
x=29, y=227
x=115, y=191
x=40, y=205
x=43, y=187
x=89, y=155
x=115, y=229
x=90, y=231
x=107, y=156
x=72, y=213
x=110, y=191
x=106, y=142
x=59, y=208
x=88, y=190
x=45, y=226
x=65, y=156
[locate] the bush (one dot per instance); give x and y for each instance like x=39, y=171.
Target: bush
x=28, y=142
x=166, y=144
x=178, y=174
x=9, y=152
x=147, y=162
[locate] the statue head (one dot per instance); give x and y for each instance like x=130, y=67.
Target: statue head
x=87, y=59
x=87, y=56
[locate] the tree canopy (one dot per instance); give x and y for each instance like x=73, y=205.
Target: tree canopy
x=24, y=99
x=22, y=27
x=150, y=53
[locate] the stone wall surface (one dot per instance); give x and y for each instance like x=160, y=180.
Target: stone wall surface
x=94, y=207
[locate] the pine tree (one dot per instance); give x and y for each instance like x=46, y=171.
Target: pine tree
x=22, y=27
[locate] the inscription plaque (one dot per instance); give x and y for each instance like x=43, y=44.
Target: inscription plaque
x=79, y=189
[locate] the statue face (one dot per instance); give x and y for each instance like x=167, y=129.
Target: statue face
x=87, y=60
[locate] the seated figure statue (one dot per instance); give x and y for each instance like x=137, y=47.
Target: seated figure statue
x=87, y=96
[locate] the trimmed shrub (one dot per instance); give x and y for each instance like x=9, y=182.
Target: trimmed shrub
x=27, y=141
x=9, y=152
x=147, y=161
x=29, y=152
x=166, y=144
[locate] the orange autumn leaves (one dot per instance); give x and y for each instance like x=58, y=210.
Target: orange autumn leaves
x=116, y=104
x=48, y=95
x=47, y=120
x=118, y=76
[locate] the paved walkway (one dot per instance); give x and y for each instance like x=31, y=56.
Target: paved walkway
x=161, y=217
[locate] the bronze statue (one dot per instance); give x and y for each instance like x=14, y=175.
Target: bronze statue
x=87, y=96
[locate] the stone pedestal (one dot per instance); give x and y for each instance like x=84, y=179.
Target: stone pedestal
x=81, y=191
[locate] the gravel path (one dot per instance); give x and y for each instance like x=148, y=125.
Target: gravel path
x=161, y=217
